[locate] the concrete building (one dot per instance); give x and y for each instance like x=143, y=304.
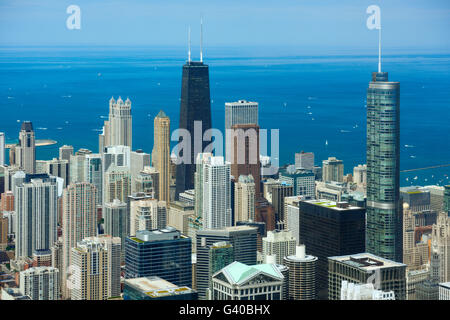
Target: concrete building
x=238, y=281
x=2, y=148
x=440, y=248
x=333, y=170
x=65, y=152
x=147, y=214
x=146, y=181
x=96, y=268
x=360, y=175
x=352, y=291
x=117, y=184
x=302, y=275
x=40, y=283
x=25, y=152
x=301, y=180
x=115, y=217
x=244, y=199
x=436, y=197
x=444, y=291
x=93, y=173
x=59, y=168
x=117, y=131
x=78, y=166
x=161, y=154
x=417, y=198
x=154, y=288
x=178, y=217
x=304, y=160
x=278, y=243
x=364, y=268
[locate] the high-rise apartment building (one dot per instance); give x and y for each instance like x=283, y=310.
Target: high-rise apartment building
x=25, y=152
x=65, y=152
x=96, y=268
x=115, y=217
x=304, y=160
x=384, y=221
x=195, y=105
x=93, y=173
x=244, y=199
x=77, y=165
x=2, y=148
x=165, y=253
x=146, y=181
x=302, y=275
x=360, y=175
x=178, y=216
x=161, y=154
x=440, y=249
x=279, y=193
x=278, y=243
x=216, y=193
x=148, y=214
x=116, y=184
x=333, y=170
x=36, y=204
x=59, y=168
x=117, y=131
x=40, y=283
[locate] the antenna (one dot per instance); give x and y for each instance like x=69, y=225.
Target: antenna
x=189, y=44
x=379, y=49
x=201, y=39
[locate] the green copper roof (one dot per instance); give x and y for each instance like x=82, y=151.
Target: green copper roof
x=161, y=114
x=240, y=272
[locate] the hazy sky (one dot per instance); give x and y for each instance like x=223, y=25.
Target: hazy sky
x=300, y=23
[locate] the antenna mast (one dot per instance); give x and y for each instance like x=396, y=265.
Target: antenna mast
x=189, y=44
x=379, y=49
x=201, y=39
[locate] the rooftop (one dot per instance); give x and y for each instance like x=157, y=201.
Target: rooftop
x=156, y=286
x=339, y=206
x=238, y=272
x=367, y=261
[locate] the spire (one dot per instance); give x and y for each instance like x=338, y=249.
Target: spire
x=379, y=48
x=189, y=44
x=201, y=39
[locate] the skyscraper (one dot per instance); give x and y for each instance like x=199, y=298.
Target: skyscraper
x=244, y=203
x=117, y=131
x=59, y=168
x=333, y=170
x=384, y=220
x=93, y=173
x=36, y=206
x=26, y=151
x=79, y=220
x=216, y=193
x=40, y=283
x=2, y=148
x=195, y=106
x=96, y=268
x=161, y=154
x=240, y=112
x=116, y=220
x=65, y=152
x=304, y=160
x=278, y=243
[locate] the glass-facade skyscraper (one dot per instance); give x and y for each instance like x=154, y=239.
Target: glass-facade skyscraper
x=195, y=106
x=384, y=213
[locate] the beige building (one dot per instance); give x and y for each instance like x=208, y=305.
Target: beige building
x=244, y=199
x=440, y=248
x=333, y=170
x=278, y=243
x=117, y=131
x=178, y=217
x=117, y=184
x=96, y=268
x=161, y=154
x=147, y=214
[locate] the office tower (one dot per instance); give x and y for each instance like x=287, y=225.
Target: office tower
x=3, y=232
x=154, y=288
x=302, y=180
x=115, y=216
x=178, y=217
x=202, y=158
x=444, y=291
x=244, y=199
x=384, y=229
x=26, y=150
x=93, y=174
x=418, y=199
x=278, y=243
x=265, y=212
x=220, y=255
x=117, y=131
x=65, y=152
x=96, y=268
x=40, y=166
x=40, y=283
x=161, y=154
x=238, y=281
x=148, y=214
x=79, y=221
x=146, y=181
x=116, y=184
x=302, y=275
x=352, y=291
x=2, y=148
x=386, y=275
x=77, y=166
x=195, y=105
x=329, y=229
x=59, y=168
x=57, y=260
x=414, y=277
x=279, y=193
x=242, y=239
x=360, y=175
x=138, y=161
x=36, y=204
x=446, y=205
x=333, y=170
x=240, y=112
x=165, y=253
x=216, y=193
x=436, y=197
x=261, y=231
x=440, y=248
x=304, y=160
x=245, y=153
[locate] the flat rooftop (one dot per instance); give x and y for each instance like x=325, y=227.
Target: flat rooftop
x=339, y=206
x=367, y=261
x=156, y=286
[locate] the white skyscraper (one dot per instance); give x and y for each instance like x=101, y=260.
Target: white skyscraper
x=147, y=214
x=278, y=243
x=2, y=148
x=240, y=112
x=40, y=283
x=36, y=204
x=118, y=130
x=304, y=160
x=216, y=193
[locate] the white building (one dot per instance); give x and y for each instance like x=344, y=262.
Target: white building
x=118, y=129
x=216, y=193
x=444, y=291
x=360, y=175
x=333, y=170
x=147, y=214
x=40, y=283
x=304, y=160
x=278, y=243
x=2, y=148
x=355, y=291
